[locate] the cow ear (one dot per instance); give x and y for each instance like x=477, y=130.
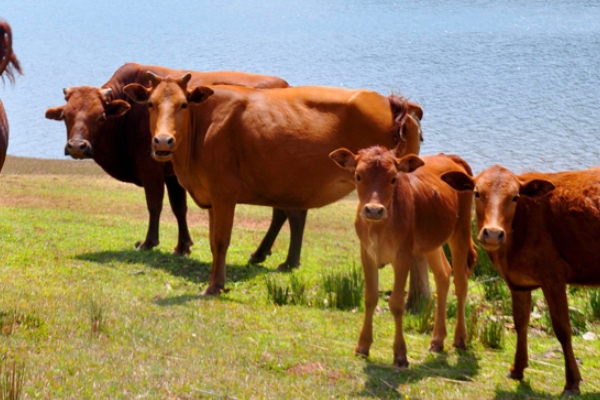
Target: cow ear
x=116, y=108
x=344, y=158
x=536, y=188
x=137, y=93
x=199, y=94
x=409, y=163
x=459, y=181
x=55, y=113
x=415, y=110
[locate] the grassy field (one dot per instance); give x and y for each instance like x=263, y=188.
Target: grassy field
x=85, y=316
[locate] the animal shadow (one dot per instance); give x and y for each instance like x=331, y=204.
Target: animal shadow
x=383, y=381
x=525, y=391
x=195, y=271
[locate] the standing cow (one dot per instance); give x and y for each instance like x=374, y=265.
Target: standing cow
x=231, y=145
x=540, y=231
x=8, y=63
x=103, y=126
x=404, y=210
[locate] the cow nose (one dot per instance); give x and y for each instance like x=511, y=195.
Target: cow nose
x=78, y=148
x=163, y=142
x=374, y=211
x=492, y=235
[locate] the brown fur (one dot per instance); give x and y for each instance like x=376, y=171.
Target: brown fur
x=405, y=210
x=270, y=148
x=539, y=229
x=9, y=64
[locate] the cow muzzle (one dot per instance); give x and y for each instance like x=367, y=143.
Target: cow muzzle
x=373, y=212
x=491, y=237
x=162, y=147
x=78, y=149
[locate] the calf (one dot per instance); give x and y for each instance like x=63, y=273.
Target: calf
x=539, y=231
x=404, y=209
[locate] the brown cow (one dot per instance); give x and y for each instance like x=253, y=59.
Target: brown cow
x=263, y=147
x=404, y=210
x=8, y=64
x=101, y=126
x=540, y=231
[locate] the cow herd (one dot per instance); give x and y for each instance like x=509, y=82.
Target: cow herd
x=228, y=138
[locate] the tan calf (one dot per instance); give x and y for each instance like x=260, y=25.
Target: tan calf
x=405, y=210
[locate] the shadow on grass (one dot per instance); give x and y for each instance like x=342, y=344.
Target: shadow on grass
x=524, y=391
x=384, y=380
x=192, y=270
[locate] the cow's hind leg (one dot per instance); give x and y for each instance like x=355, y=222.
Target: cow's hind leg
x=396, y=303
x=460, y=247
x=297, y=220
x=178, y=200
x=556, y=297
x=441, y=273
x=521, y=308
x=264, y=248
x=155, y=192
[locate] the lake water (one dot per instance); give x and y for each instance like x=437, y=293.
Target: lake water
x=511, y=82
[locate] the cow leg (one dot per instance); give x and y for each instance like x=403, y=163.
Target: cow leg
x=178, y=201
x=371, y=272
x=460, y=247
x=155, y=192
x=297, y=220
x=441, y=273
x=264, y=249
x=556, y=297
x=521, y=308
x=396, y=303
x=220, y=225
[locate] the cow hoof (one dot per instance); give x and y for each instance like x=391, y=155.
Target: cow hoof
x=517, y=376
x=436, y=347
x=360, y=352
x=460, y=345
x=570, y=392
x=285, y=267
x=213, y=291
x=144, y=246
x=401, y=363
x=257, y=258
x=183, y=249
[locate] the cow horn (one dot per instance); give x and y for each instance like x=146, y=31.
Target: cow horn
x=186, y=78
x=152, y=78
x=65, y=91
x=106, y=93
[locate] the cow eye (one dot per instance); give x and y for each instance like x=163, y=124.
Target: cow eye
x=393, y=181
x=184, y=105
x=515, y=199
x=476, y=195
x=149, y=105
x=357, y=178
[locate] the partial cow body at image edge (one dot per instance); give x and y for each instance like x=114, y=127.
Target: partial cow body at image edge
x=540, y=231
x=264, y=147
x=404, y=210
x=8, y=65
x=103, y=126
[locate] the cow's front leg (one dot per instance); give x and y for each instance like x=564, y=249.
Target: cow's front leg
x=396, y=303
x=155, y=192
x=521, y=308
x=441, y=273
x=178, y=200
x=220, y=225
x=371, y=272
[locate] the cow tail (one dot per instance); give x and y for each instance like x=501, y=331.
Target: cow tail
x=8, y=60
x=471, y=258
x=399, y=108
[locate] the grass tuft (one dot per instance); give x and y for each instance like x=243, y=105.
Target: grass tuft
x=12, y=379
x=492, y=334
x=96, y=317
x=344, y=290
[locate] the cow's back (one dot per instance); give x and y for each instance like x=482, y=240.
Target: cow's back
x=565, y=223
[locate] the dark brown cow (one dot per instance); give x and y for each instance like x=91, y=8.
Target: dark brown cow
x=8, y=65
x=101, y=125
x=540, y=231
x=263, y=147
x=404, y=210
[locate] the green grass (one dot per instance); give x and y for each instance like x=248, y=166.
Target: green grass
x=85, y=316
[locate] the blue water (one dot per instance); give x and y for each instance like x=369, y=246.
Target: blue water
x=512, y=82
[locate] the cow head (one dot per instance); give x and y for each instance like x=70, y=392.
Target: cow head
x=376, y=171
x=497, y=192
x=167, y=102
x=87, y=110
